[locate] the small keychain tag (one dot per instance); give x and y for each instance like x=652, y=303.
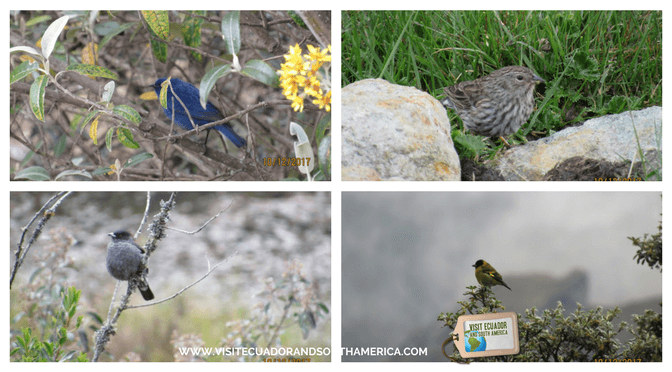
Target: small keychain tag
x=483, y=335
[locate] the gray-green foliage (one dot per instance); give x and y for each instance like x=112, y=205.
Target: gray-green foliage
x=583, y=336
x=45, y=325
x=650, y=250
x=52, y=341
x=36, y=67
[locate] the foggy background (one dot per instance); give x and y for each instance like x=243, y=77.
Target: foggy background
x=407, y=257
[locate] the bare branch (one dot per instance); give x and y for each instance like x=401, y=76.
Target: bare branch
x=204, y=225
x=144, y=216
x=185, y=288
x=21, y=252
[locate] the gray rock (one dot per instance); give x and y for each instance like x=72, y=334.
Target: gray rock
x=392, y=132
x=613, y=137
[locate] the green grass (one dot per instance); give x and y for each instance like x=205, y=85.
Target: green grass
x=594, y=62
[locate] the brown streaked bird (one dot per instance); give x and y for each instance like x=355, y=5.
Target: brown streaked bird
x=495, y=105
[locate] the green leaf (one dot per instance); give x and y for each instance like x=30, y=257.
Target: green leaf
x=38, y=19
x=209, y=81
x=585, y=67
x=101, y=171
x=262, y=72
x=22, y=342
x=470, y=143
x=160, y=50
x=73, y=172
x=67, y=356
x=157, y=20
x=63, y=335
x=617, y=104
x=51, y=35
x=297, y=19
x=322, y=128
x=33, y=174
x=88, y=118
x=76, y=121
x=37, y=90
x=27, y=158
x=24, y=69
x=27, y=333
x=231, y=31
x=108, y=139
x=114, y=33
x=30, y=155
x=93, y=71
x=105, y=28
x=60, y=146
x=128, y=113
x=126, y=138
x=163, y=93
x=138, y=159
x=191, y=33
x=48, y=347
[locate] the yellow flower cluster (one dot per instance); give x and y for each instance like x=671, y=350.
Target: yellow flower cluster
x=302, y=71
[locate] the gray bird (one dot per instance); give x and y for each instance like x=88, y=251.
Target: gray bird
x=124, y=258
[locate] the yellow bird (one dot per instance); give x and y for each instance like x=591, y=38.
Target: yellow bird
x=487, y=275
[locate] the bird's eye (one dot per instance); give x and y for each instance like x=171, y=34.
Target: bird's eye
x=519, y=77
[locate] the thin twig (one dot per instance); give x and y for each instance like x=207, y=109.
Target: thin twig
x=144, y=216
x=228, y=118
x=185, y=288
x=114, y=297
x=204, y=225
x=21, y=251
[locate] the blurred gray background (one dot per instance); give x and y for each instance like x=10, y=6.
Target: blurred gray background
x=407, y=257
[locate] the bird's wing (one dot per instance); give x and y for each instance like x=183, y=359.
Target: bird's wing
x=464, y=95
x=208, y=116
x=495, y=275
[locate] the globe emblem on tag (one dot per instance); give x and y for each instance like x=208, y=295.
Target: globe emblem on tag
x=475, y=343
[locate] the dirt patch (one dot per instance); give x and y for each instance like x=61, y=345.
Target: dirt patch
x=473, y=171
x=578, y=168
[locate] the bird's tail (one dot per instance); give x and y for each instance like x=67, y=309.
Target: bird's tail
x=146, y=293
x=231, y=135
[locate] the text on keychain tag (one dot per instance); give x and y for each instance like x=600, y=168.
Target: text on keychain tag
x=483, y=335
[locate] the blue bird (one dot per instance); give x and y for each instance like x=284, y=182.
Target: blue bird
x=201, y=116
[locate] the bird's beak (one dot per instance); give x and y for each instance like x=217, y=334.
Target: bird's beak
x=538, y=80
x=111, y=234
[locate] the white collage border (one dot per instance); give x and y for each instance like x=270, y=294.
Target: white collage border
x=336, y=187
